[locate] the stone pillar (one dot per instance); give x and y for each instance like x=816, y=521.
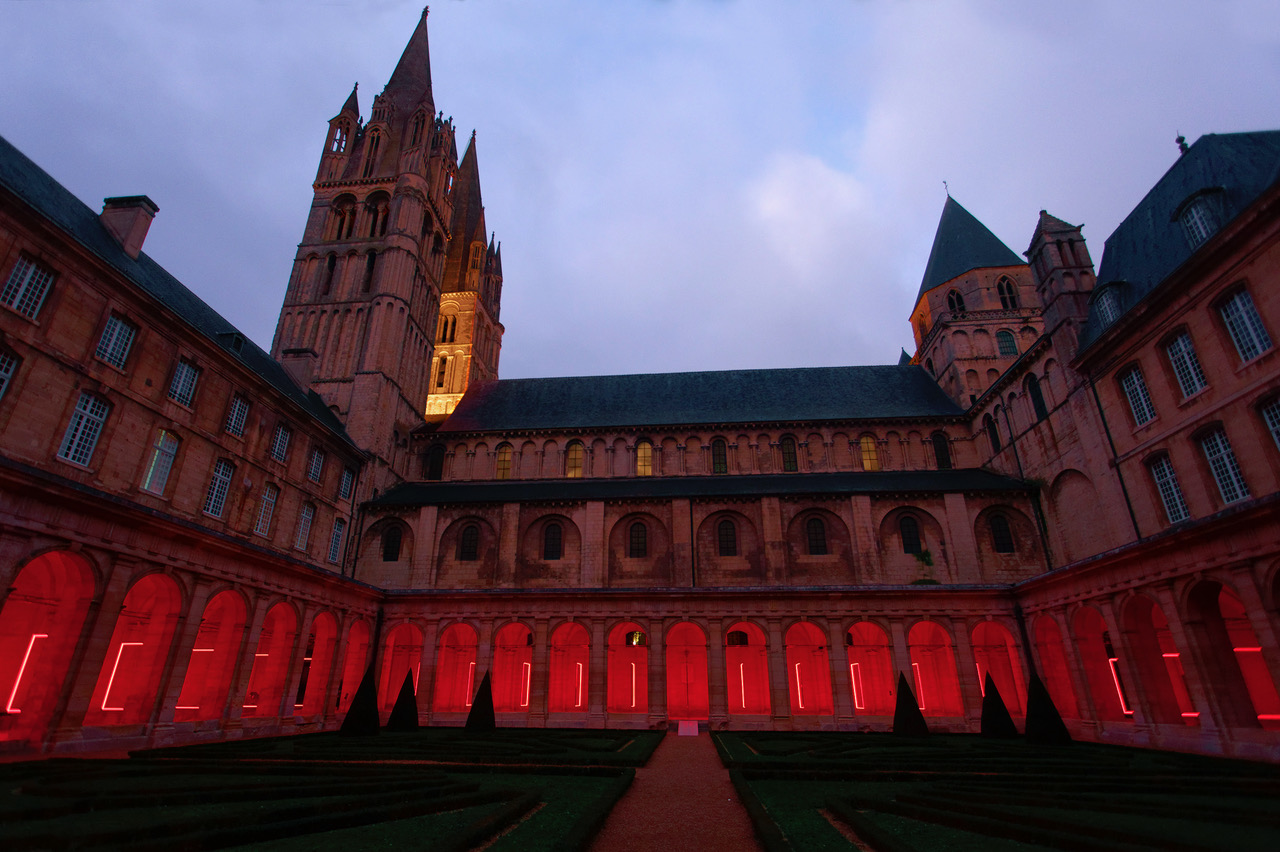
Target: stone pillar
x=963, y=548
x=508, y=546
x=293, y=672
x=682, y=544
x=1075, y=667
x=540, y=675
x=901, y=654
x=422, y=572
x=596, y=694
x=1125, y=664
x=841, y=685
x=1199, y=695
x=427, y=670
x=779, y=696
x=484, y=651
x=775, y=544
x=717, y=683
x=967, y=670
x=657, y=673
x=595, y=546
x=184, y=636
x=232, y=712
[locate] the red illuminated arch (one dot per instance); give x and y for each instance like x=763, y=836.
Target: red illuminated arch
x=1158, y=663
x=808, y=671
x=131, y=671
x=39, y=628
x=354, y=663
x=213, y=659
x=570, y=659
x=512, y=668
x=1100, y=659
x=687, y=694
x=628, y=669
x=317, y=662
x=1235, y=669
x=870, y=669
x=271, y=662
x=995, y=654
x=456, y=676
x=933, y=665
x=1053, y=666
x=402, y=656
x=747, y=669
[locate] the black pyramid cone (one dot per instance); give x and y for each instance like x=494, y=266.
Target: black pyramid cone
x=481, y=716
x=362, y=716
x=908, y=721
x=404, y=716
x=1044, y=723
x=996, y=721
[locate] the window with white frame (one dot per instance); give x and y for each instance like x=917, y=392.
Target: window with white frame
x=335, y=540
x=1108, y=305
x=117, y=337
x=27, y=286
x=1271, y=416
x=215, y=499
x=305, y=516
x=1199, y=221
x=1135, y=390
x=8, y=366
x=1175, y=508
x=182, y=389
x=1006, y=343
x=266, y=508
x=83, y=430
x=348, y=482
x=1222, y=463
x=1245, y=326
x=280, y=442
x=237, y=416
x=163, y=452
x=1186, y=366
x=315, y=464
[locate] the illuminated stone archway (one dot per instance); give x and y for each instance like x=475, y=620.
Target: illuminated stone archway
x=512, y=668
x=628, y=669
x=354, y=663
x=317, y=662
x=1100, y=659
x=747, y=669
x=1234, y=666
x=995, y=654
x=933, y=666
x=456, y=678
x=808, y=671
x=1157, y=662
x=570, y=669
x=213, y=659
x=870, y=669
x=271, y=662
x=687, y=694
x=402, y=655
x=1053, y=666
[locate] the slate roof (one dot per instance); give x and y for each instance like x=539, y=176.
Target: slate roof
x=960, y=244
x=51, y=200
x=660, y=487
x=726, y=396
x=1150, y=244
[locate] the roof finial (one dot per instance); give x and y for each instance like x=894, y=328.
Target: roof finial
x=426, y=10
x=1182, y=143
x=947, y=188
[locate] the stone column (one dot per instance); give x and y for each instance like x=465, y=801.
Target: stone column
x=779, y=697
x=967, y=671
x=841, y=686
x=1125, y=664
x=657, y=673
x=901, y=654
x=293, y=672
x=682, y=543
x=717, y=684
x=180, y=657
x=234, y=709
x=427, y=670
x=540, y=674
x=596, y=694
x=1196, y=690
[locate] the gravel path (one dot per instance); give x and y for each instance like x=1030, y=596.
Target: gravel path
x=681, y=800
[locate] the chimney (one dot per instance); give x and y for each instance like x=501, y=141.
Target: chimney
x=300, y=364
x=128, y=218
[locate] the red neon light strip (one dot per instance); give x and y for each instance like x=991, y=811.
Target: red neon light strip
x=416, y=669
x=1115, y=676
x=1191, y=715
x=578, y=703
x=982, y=684
x=799, y=689
x=1270, y=717
x=112, y=680
x=527, y=677
x=742, y=683
x=199, y=650
x=9, y=708
x=1257, y=649
x=633, y=686
x=915, y=669
x=1173, y=654
x=855, y=676
x=471, y=679
x=182, y=707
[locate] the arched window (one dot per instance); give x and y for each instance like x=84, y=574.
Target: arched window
x=370, y=261
x=503, y=470
x=416, y=135
x=941, y=450
x=644, y=458
x=737, y=638
x=1001, y=535
x=635, y=639
x=719, y=456
x=909, y=530
x=469, y=543
x=437, y=243
x=371, y=158
x=993, y=433
x=440, y=371
x=433, y=469
x=955, y=302
x=928, y=365
x=1008, y=294
x=573, y=460
x=1006, y=344
x=330, y=264
x=638, y=541
x=816, y=534
x=1108, y=306
x=340, y=132
x=1037, y=398
x=870, y=456
x=391, y=538
x=726, y=538
x=552, y=541
x=788, y=447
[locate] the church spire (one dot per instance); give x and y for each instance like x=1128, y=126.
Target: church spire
x=410, y=83
x=960, y=244
x=352, y=105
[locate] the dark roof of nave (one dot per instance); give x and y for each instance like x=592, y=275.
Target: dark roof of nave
x=685, y=399
x=960, y=244
x=663, y=487
x=1150, y=244
x=54, y=202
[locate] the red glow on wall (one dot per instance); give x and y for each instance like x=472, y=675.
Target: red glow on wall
x=1105, y=686
x=401, y=656
x=1053, y=666
x=870, y=668
x=996, y=654
x=455, y=669
x=934, y=662
x=354, y=663
x=1247, y=652
x=628, y=672
x=10, y=707
x=570, y=661
x=313, y=684
x=747, y=669
x=134, y=662
x=213, y=659
x=512, y=668
x=687, y=694
x=808, y=671
x=271, y=662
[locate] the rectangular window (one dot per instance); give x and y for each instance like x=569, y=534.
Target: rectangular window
x=280, y=443
x=1135, y=389
x=335, y=540
x=1175, y=508
x=315, y=464
x=1186, y=366
x=163, y=452
x=26, y=288
x=266, y=508
x=304, y=526
x=8, y=366
x=182, y=389
x=215, y=499
x=84, y=429
x=117, y=337
x=236, y=416
x=348, y=482
x=1222, y=462
x=1270, y=415
x=1245, y=326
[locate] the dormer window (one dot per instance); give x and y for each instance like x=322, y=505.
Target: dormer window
x=955, y=302
x=1200, y=219
x=1108, y=305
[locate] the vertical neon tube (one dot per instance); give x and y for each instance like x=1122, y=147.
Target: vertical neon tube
x=526, y=678
x=9, y=708
x=578, y=703
x=112, y=679
x=742, y=683
x=982, y=684
x=1115, y=676
x=633, y=685
x=799, y=688
x=471, y=679
x=915, y=669
x=855, y=677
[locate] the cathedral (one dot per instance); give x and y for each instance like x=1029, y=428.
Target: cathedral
x=1075, y=477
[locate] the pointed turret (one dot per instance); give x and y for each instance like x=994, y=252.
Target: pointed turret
x=410, y=83
x=352, y=106
x=462, y=267
x=1064, y=277
x=961, y=244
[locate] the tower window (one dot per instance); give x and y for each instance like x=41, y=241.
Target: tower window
x=330, y=265
x=1186, y=366
x=719, y=456
x=869, y=451
x=790, y=462
x=475, y=256
x=573, y=458
x=644, y=458
x=392, y=538
x=1006, y=344
x=339, y=141
x=638, y=541
x=370, y=261
x=440, y=371
x=1175, y=508
x=726, y=538
x=435, y=463
x=1135, y=390
x=941, y=450
x=816, y=536
x=415, y=135
x=503, y=470
x=1001, y=535
x=1037, y=398
x=1245, y=326
x=371, y=158
x=1008, y=294
x=909, y=532
x=469, y=544
x=955, y=302
x=552, y=542
x=993, y=433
